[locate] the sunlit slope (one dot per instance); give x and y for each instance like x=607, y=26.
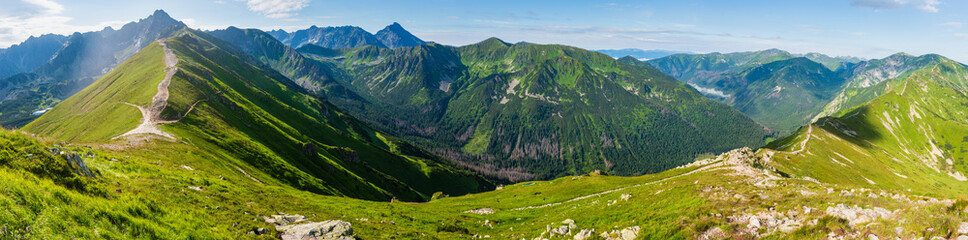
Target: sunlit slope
x=172, y=191
x=869, y=79
x=914, y=136
x=103, y=103
x=226, y=103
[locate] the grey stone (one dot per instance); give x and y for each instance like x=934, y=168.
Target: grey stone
x=325, y=230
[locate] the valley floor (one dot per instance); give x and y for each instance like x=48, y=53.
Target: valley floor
x=170, y=190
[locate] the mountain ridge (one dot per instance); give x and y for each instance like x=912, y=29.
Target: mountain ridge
x=219, y=97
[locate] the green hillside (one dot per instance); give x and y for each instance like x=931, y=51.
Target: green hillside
x=173, y=191
x=530, y=111
x=869, y=79
x=914, y=132
x=227, y=104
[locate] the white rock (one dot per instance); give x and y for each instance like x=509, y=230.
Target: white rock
x=626, y=196
x=754, y=223
x=584, y=234
x=330, y=229
x=963, y=228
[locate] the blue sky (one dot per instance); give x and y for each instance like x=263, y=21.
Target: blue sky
x=864, y=28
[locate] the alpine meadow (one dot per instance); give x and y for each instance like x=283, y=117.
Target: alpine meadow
x=310, y=119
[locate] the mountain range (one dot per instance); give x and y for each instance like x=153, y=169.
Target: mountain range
x=776, y=88
x=161, y=131
x=393, y=36
x=426, y=94
x=639, y=54
x=32, y=53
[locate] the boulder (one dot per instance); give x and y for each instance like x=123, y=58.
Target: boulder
x=309, y=149
x=628, y=233
x=77, y=163
x=963, y=228
x=284, y=219
x=325, y=230
x=481, y=211
x=712, y=233
x=584, y=234
x=754, y=223
x=626, y=196
x=570, y=223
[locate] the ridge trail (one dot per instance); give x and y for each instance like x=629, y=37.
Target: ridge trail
x=151, y=115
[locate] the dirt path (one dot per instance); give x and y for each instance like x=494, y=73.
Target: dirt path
x=247, y=175
x=803, y=145
x=150, y=115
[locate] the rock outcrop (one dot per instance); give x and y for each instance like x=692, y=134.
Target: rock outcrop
x=857, y=215
x=628, y=233
x=325, y=230
x=77, y=163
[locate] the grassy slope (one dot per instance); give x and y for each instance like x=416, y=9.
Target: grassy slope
x=146, y=194
x=237, y=115
x=915, y=134
x=104, y=102
x=869, y=79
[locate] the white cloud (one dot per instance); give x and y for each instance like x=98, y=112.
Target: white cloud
x=50, y=7
x=952, y=24
x=929, y=6
x=20, y=20
x=877, y=4
x=276, y=8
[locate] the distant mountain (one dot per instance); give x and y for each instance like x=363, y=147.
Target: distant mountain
x=30, y=54
x=329, y=37
x=707, y=69
x=833, y=63
x=221, y=101
x=864, y=80
x=641, y=55
x=83, y=58
x=532, y=111
x=776, y=88
x=394, y=36
x=786, y=94
x=314, y=76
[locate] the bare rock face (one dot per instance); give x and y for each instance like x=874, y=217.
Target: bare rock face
x=857, y=215
x=744, y=157
x=325, y=230
x=309, y=149
x=712, y=233
x=78, y=164
x=628, y=233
